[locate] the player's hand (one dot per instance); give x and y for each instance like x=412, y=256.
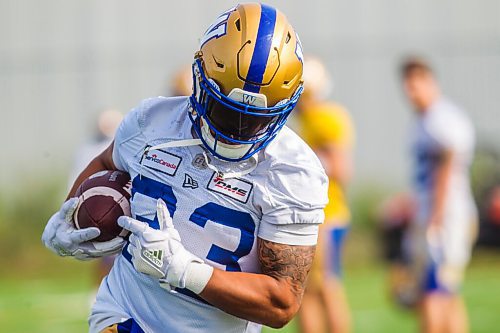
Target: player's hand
x=64, y=239
x=159, y=253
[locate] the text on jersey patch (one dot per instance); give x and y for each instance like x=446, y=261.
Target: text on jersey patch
x=235, y=188
x=162, y=161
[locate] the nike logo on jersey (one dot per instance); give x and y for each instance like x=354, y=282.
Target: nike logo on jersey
x=189, y=182
x=235, y=188
x=161, y=161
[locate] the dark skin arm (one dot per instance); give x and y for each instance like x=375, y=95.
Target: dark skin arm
x=103, y=161
x=271, y=298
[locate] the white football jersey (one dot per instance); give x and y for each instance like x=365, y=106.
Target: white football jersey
x=218, y=218
x=443, y=127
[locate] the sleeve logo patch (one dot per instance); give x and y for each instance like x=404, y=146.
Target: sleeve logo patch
x=235, y=188
x=162, y=161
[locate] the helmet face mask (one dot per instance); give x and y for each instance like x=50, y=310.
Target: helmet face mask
x=237, y=125
x=229, y=112
x=249, y=128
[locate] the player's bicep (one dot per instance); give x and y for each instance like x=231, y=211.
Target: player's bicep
x=288, y=264
x=106, y=157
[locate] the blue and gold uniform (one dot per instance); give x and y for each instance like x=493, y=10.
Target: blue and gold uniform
x=247, y=79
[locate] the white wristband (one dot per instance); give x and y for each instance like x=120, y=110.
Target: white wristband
x=197, y=276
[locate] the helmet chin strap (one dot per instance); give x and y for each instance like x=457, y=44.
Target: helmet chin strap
x=197, y=142
x=175, y=143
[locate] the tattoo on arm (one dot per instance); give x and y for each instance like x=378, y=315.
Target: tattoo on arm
x=286, y=262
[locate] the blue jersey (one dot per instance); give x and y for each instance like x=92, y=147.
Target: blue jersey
x=219, y=218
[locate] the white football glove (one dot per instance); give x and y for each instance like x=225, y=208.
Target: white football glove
x=160, y=253
x=64, y=239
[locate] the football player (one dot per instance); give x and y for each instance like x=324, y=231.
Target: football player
x=327, y=128
x=226, y=201
x=445, y=222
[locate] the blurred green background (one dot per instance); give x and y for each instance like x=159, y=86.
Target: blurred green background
x=40, y=292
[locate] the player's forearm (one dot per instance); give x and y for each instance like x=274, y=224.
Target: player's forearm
x=441, y=187
x=271, y=298
x=103, y=161
x=256, y=297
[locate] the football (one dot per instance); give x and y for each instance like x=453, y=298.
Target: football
x=102, y=198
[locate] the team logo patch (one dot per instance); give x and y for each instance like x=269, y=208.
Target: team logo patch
x=162, y=161
x=298, y=49
x=199, y=161
x=189, y=182
x=218, y=28
x=235, y=188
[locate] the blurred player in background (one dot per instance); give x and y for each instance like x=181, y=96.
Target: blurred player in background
x=395, y=216
x=181, y=84
x=104, y=132
x=446, y=218
x=327, y=128
x=107, y=123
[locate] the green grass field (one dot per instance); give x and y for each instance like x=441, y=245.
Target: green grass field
x=42, y=293
x=57, y=297
x=374, y=313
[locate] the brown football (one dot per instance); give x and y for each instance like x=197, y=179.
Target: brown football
x=102, y=198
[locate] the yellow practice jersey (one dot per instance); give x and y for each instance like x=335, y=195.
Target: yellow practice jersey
x=327, y=123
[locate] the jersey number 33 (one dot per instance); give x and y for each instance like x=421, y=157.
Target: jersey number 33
x=200, y=216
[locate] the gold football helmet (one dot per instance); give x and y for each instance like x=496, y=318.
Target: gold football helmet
x=247, y=79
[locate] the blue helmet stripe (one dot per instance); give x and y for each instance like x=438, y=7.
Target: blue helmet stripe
x=261, y=50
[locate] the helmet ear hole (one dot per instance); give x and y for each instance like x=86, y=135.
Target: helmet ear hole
x=288, y=37
x=237, y=23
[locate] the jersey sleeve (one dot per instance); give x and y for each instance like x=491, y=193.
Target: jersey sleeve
x=452, y=131
x=292, y=203
x=128, y=130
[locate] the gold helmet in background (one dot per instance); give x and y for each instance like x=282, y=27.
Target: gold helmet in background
x=247, y=80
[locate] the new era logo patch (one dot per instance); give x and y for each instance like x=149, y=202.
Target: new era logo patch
x=235, y=188
x=189, y=182
x=162, y=161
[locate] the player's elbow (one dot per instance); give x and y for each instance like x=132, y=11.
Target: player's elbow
x=282, y=312
x=281, y=317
